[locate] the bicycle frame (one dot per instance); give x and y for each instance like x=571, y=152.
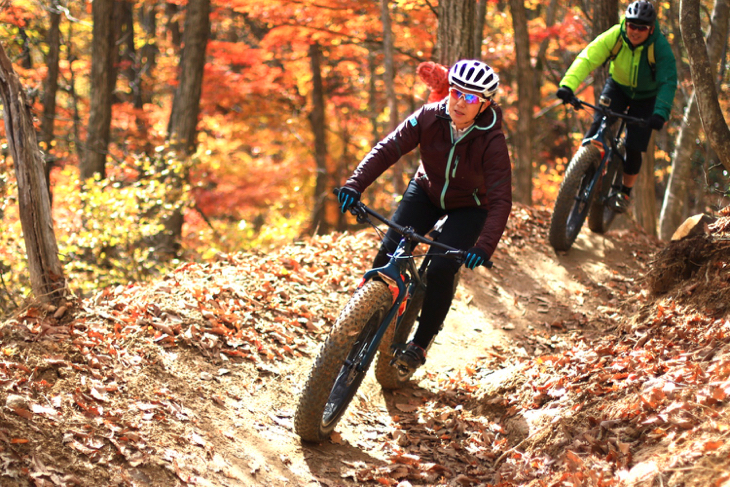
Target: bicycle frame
x=599, y=141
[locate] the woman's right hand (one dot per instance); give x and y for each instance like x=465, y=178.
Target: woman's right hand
x=347, y=197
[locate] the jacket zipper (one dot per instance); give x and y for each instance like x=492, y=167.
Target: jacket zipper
x=476, y=198
x=448, y=178
x=453, y=171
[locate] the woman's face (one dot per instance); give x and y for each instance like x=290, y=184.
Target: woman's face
x=461, y=112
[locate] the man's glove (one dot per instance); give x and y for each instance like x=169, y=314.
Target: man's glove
x=347, y=197
x=475, y=257
x=565, y=94
x=656, y=122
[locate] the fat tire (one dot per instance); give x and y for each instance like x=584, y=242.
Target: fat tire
x=580, y=170
x=388, y=376
x=354, y=329
x=601, y=215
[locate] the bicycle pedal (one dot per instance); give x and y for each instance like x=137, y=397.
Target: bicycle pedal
x=396, y=355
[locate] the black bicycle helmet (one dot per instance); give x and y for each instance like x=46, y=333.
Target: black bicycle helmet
x=641, y=12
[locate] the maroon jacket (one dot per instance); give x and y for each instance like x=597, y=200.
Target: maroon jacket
x=474, y=171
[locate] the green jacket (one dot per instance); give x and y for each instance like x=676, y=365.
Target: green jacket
x=631, y=68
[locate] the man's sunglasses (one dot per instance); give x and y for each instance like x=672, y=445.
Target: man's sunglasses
x=639, y=27
x=468, y=97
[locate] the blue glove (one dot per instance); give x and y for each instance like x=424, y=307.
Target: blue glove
x=565, y=94
x=347, y=197
x=656, y=122
x=475, y=257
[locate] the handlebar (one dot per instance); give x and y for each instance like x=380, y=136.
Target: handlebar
x=577, y=103
x=361, y=211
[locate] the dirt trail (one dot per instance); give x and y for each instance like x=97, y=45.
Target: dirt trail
x=142, y=411
x=529, y=304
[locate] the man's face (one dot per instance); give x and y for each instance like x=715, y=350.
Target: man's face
x=638, y=33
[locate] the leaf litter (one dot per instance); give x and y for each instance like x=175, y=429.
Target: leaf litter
x=192, y=380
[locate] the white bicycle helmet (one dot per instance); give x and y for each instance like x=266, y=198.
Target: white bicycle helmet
x=474, y=76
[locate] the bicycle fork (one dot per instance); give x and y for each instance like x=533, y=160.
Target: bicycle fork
x=391, y=275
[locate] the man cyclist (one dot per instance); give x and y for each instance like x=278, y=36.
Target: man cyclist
x=464, y=173
x=642, y=77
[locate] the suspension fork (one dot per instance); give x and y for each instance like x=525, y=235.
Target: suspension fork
x=608, y=157
x=598, y=141
x=392, y=275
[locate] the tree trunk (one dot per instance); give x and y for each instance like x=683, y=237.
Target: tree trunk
x=524, y=135
x=148, y=53
x=373, y=97
x=389, y=79
x=541, y=58
x=74, y=108
x=318, y=222
x=127, y=49
x=456, y=31
x=46, y=273
x=703, y=79
x=50, y=88
x=182, y=128
x=145, y=64
x=25, y=60
x=173, y=26
x=346, y=158
x=481, y=13
x=605, y=15
x=103, y=78
x=674, y=207
x=645, y=193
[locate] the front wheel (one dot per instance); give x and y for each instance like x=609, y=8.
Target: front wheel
x=572, y=204
x=601, y=215
x=340, y=365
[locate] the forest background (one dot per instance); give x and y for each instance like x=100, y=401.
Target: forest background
x=175, y=131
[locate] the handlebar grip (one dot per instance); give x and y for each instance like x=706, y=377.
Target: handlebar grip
x=461, y=256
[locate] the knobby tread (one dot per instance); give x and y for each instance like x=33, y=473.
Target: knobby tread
x=584, y=162
x=374, y=297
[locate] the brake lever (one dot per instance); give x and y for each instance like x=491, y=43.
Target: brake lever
x=461, y=257
x=358, y=211
x=576, y=103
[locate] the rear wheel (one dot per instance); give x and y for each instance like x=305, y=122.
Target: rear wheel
x=340, y=365
x=571, y=207
x=601, y=215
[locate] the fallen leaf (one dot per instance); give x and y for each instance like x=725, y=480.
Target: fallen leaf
x=406, y=408
x=198, y=440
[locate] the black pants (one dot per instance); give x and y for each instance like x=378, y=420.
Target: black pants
x=637, y=138
x=461, y=230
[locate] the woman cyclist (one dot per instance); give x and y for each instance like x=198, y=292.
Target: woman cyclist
x=464, y=173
